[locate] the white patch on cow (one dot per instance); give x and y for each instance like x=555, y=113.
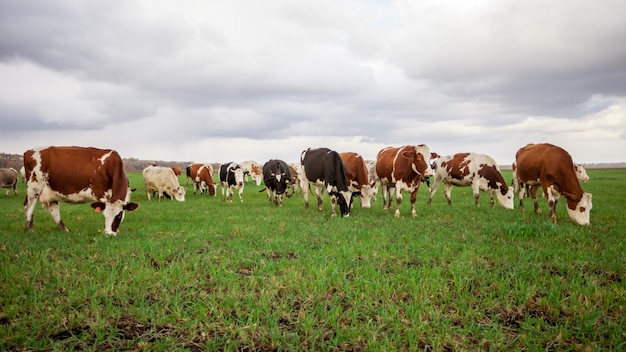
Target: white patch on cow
x=580, y=215
x=105, y=157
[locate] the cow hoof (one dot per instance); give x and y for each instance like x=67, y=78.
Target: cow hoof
x=397, y=214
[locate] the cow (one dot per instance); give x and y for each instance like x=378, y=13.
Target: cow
x=581, y=175
x=402, y=169
x=472, y=169
x=77, y=175
x=231, y=176
x=8, y=180
x=202, y=178
x=277, y=177
x=552, y=168
x=372, y=176
x=324, y=168
x=162, y=180
x=296, y=178
x=358, y=176
x=252, y=169
x=177, y=170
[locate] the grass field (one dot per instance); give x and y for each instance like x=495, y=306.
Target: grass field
x=208, y=275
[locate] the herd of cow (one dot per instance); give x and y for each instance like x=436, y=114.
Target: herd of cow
x=83, y=175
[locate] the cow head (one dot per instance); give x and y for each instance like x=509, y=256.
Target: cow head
x=212, y=189
x=113, y=214
x=579, y=211
x=420, y=159
x=505, y=197
x=367, y=192
x=344, y=200
x=179, y=193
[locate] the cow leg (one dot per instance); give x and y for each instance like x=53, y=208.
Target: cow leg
x=553, y=197
x=491, y=200
x=385, y=189
x=55, y=212
x=333, y=203
x=533, y=194
x=241, y=193
x=447, y=190
x=521, y=193
x=29, y=208
x=413, y=199
x=398, y=202
x=432, y=191
x=319, y=197
x=306, y=188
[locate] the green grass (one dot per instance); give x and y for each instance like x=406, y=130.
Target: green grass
x=208, y=275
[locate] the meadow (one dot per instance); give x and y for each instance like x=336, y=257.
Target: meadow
x=205, y=275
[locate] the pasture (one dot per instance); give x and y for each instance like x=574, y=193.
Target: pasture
x=207, y=275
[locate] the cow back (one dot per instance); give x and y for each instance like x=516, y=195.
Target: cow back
x=72, y=169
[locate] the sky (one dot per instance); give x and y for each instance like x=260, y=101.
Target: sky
x=219, y=81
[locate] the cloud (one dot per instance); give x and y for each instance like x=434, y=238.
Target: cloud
x=184, y=80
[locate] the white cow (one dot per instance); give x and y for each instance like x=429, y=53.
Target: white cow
x=162, y=180
x=252, y=169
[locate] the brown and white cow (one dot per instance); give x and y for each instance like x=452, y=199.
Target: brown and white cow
x=252, y=169
x=295, y=170
x=231, y=177
x=402, y=169
x=581, y=174
x=358, y=176
x=324, y=168
x=552, y=168
x=177, y=170
x=77, y=175
x=162, y=180
x=8, y=180
x=472, y=169
x=202, y=178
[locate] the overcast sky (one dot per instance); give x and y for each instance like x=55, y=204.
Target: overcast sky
x=217, y=81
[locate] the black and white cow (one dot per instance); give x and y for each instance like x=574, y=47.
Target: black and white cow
x=231, y=176
x=324, y=168
x=276, y=176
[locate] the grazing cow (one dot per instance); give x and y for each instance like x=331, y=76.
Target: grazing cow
x=552, y=168
x=295, y=169
x=77, y=175
x=202, y=178
x=277, y=177
x=581, y=174
x=162, y=180
x=252, y=169
x=324, y=168
x=471, y=169
x=231, y=176
x=402, y=169
x=8, y=180
x=177, y=170
x=358, y=176
x=372, y=177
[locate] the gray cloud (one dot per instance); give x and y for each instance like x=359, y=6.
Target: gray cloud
x=452, y=73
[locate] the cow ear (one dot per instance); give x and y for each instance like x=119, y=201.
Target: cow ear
x=356, y=194
x=131, y=206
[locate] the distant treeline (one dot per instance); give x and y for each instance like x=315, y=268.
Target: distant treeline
x=130, y=164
